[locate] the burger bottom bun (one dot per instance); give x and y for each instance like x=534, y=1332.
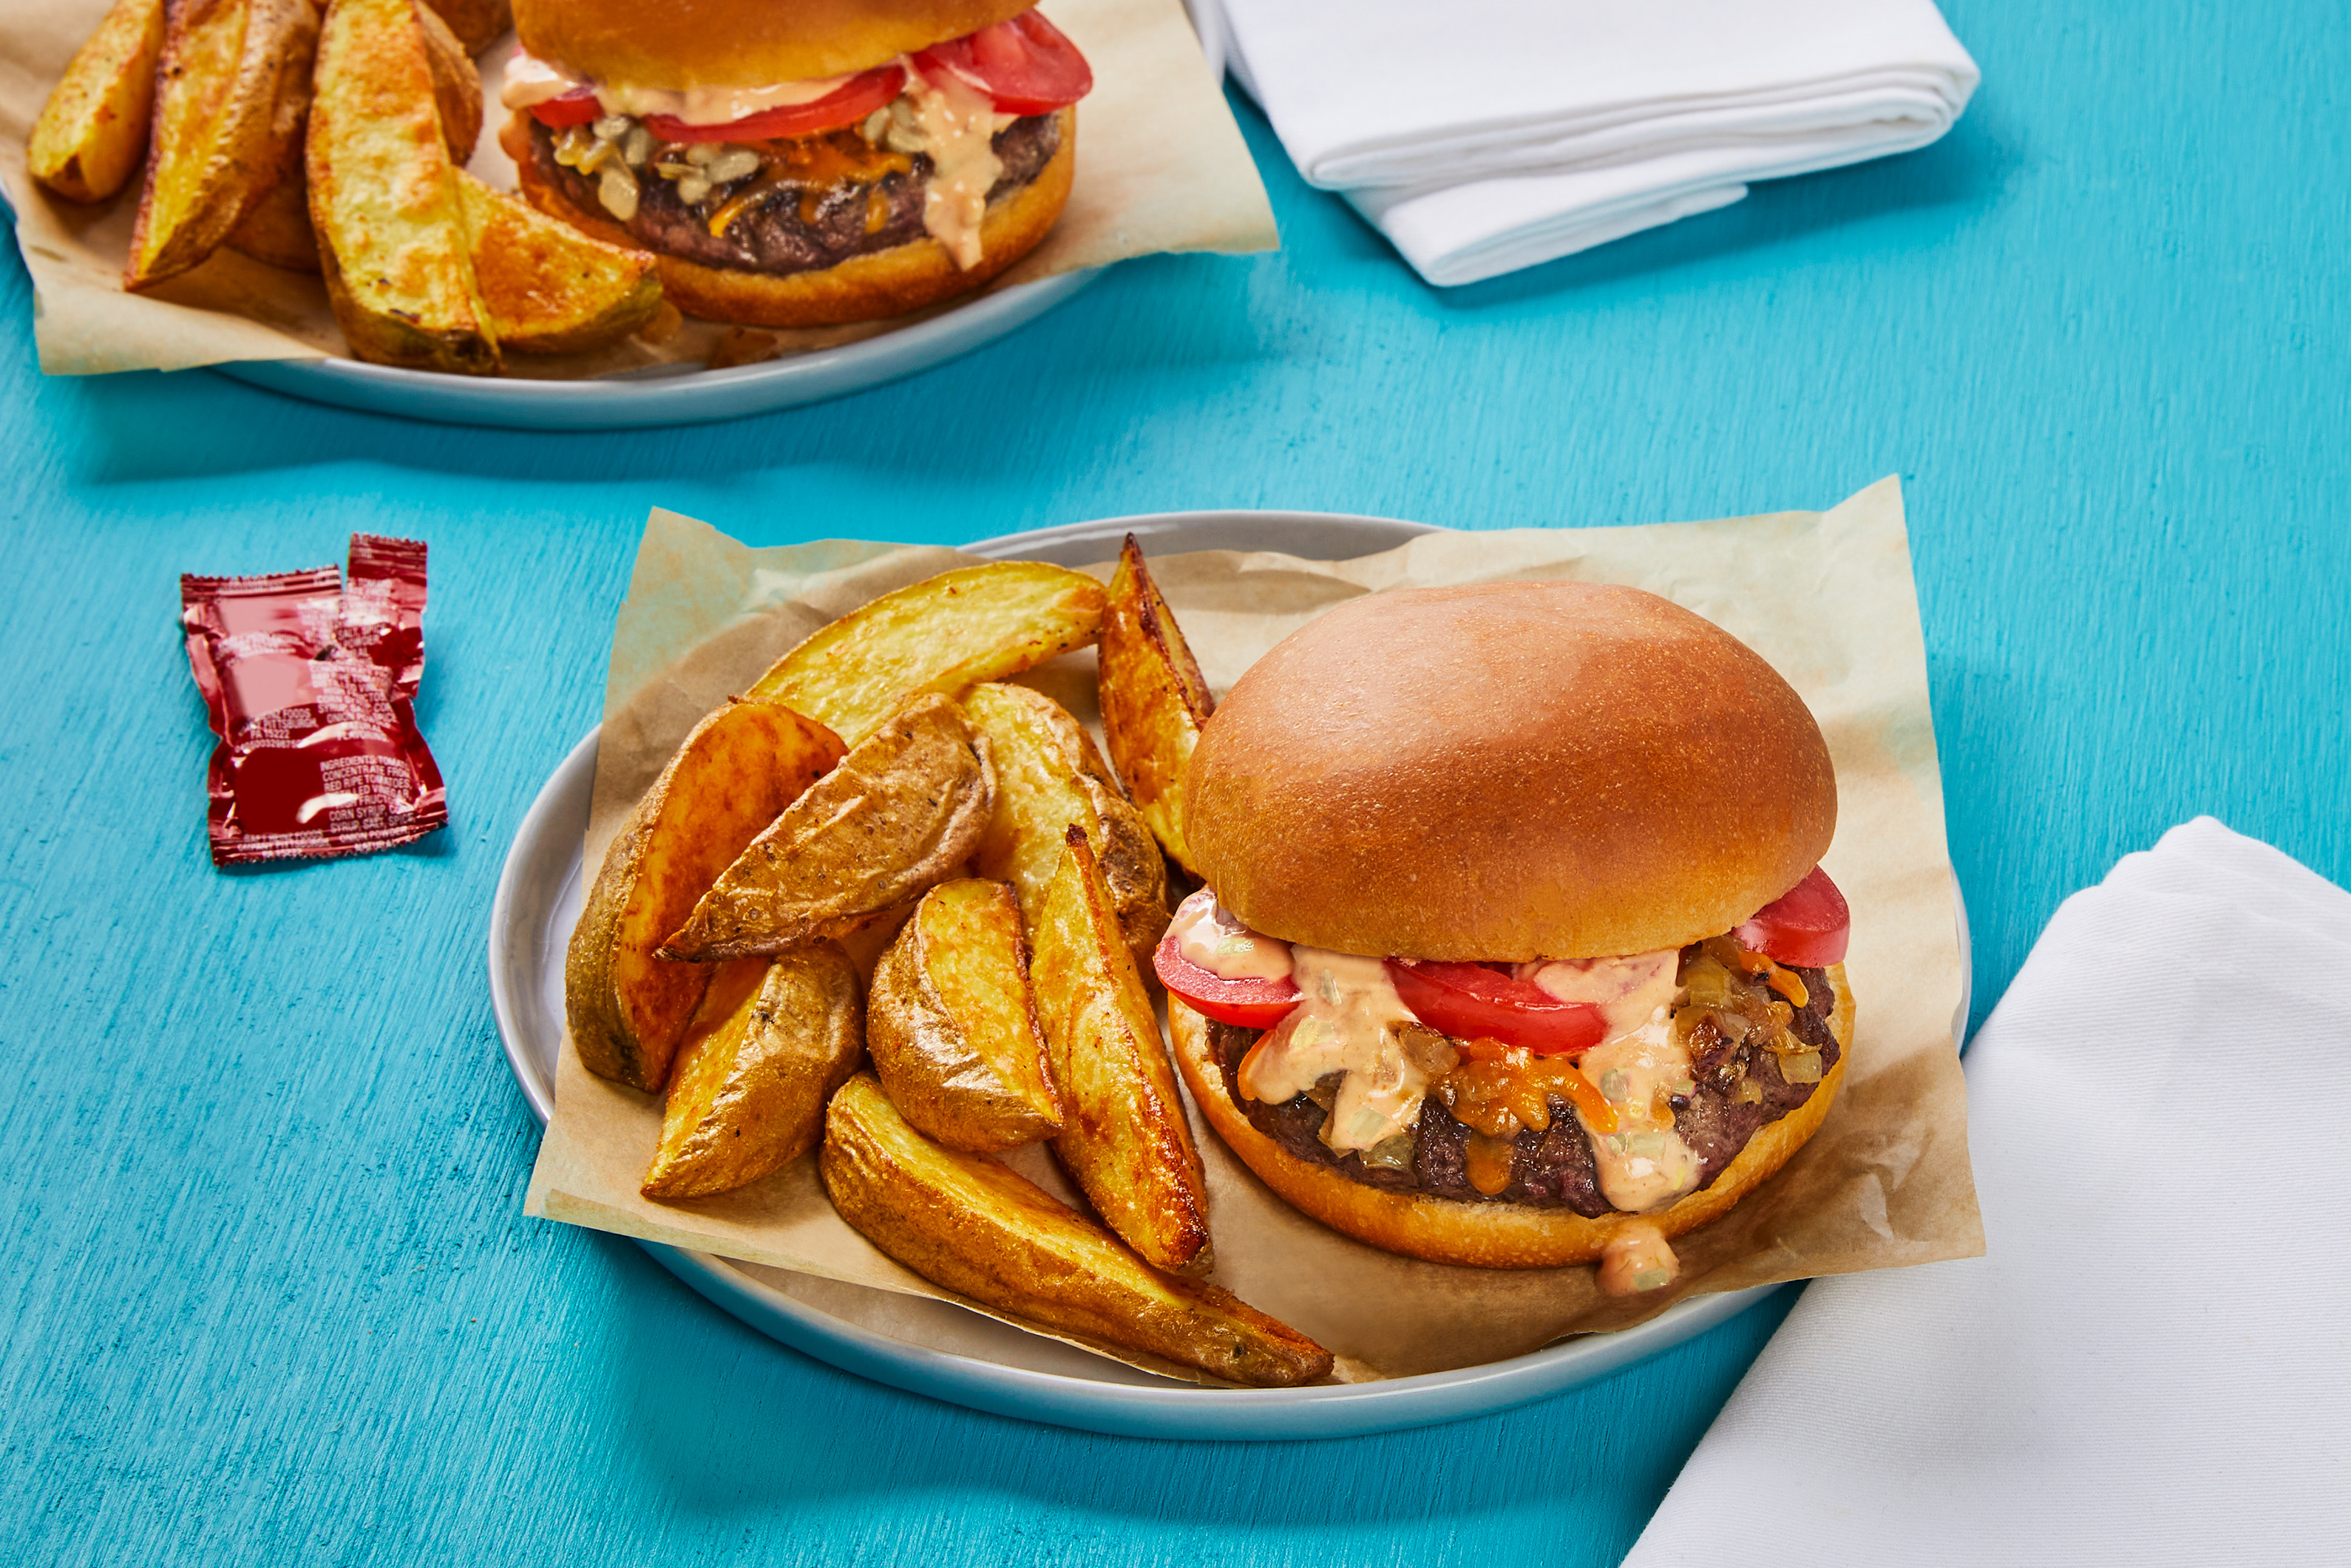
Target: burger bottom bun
x=868, y=288
x=1487, y=1235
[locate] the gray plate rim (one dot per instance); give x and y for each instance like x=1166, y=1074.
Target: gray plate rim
x=546, y=849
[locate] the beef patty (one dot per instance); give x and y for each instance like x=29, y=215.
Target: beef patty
x=1554, y=1168
x=785, y=232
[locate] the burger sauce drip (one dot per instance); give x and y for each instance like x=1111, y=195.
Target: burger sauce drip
x=957, y=124
x=1350, y=1022
x=1636, y=1259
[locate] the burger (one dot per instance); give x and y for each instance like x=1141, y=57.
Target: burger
x=1515, y=949
x=800, y=163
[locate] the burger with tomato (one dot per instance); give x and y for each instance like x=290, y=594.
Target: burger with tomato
x=1516, y=950
x=800, y=163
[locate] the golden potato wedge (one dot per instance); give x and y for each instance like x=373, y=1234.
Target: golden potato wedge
x=457, y=85
x=277, y=228
x=771, y=1041
x=385, y=198
x=966, y=1223
x=1124, y=1139
x=1153, y=699
x=92, y=131
x=1050, y=779
x=952, y=1029
x=225, y=125
x=627, y=1008
x=477, y=23
x=899, y=816
x=549, y=288
x=956, y=630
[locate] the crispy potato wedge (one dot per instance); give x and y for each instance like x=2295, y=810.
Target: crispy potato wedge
x=1153, y=699
x=1123, y=1138
x=628, y=1009
x=549, y=288
x=276, y=227
x=457, y=85
x=956, y=630
x=477, y=23
x=771, y=1041
x=952, y=1029
x=1050, y=779
x=225, y=125
x=899, y=816
x=385, y=198
x=965, y=1222
x=92, y=131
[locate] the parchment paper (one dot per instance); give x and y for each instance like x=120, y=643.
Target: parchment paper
x=1160, y=167
x=1826, y=597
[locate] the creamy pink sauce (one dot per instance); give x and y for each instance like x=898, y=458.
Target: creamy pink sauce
x=1211, y=937
x=529, y=82
x=1637, y=1259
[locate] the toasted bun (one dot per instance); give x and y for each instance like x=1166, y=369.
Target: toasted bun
x=1487, y=1235
x=1508, y=771
x=677, y=43
x=862, y=288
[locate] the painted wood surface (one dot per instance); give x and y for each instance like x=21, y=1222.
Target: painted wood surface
x=270, y=1295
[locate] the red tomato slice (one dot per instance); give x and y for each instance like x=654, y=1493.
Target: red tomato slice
x=847, y=104
x=577, y=107
x=1252, y=1004
x=1027, y=65
x=1807, y=926
x=1470, y=1001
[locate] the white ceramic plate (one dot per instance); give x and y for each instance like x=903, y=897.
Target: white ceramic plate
x=986, y=1364
x=667, y=394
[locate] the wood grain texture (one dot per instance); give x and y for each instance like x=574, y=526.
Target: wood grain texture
x=271, y=1296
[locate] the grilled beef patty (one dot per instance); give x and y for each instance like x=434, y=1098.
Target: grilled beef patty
x=1554, y=1168
x=784, y=234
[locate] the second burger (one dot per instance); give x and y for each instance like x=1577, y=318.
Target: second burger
x=814, y=163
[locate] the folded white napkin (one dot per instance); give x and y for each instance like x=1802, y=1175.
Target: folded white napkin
x=1485, y=135
x=2152, y=1364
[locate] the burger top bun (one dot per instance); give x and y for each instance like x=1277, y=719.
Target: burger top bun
x=679, y=43
x=1508, y=771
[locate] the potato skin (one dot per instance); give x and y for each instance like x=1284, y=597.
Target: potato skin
x=1050, y=779
x=966, y=1223
x=752, y=1081
x=942, y=634
x=952, y=1029
x=627, y=1009
x=1123, y=1137
x=1153, y=699
x=897, y=817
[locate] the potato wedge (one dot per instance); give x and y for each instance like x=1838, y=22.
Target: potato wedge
x=92, y=131
x=385, y=199
x=899, y=816
x=1153, y=699
x=952, y=1028
x=457, y=85
x=226, y=126
x=1123, y=1138
x=956, y=630
x=966, y=1223
x=277, y=228
x=549, y=288
x=628, y=1009
x=771, y=1041
x=1049, y=779
x=477, y=23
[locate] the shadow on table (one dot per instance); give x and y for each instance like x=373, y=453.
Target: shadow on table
x=767, y=1430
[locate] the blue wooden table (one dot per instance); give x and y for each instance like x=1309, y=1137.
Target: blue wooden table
x=270, y=1295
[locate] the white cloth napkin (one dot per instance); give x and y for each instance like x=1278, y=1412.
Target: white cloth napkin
x=2152, y=1364
x=1481, y=136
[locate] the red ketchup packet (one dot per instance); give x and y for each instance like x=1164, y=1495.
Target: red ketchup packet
x=308, y=684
